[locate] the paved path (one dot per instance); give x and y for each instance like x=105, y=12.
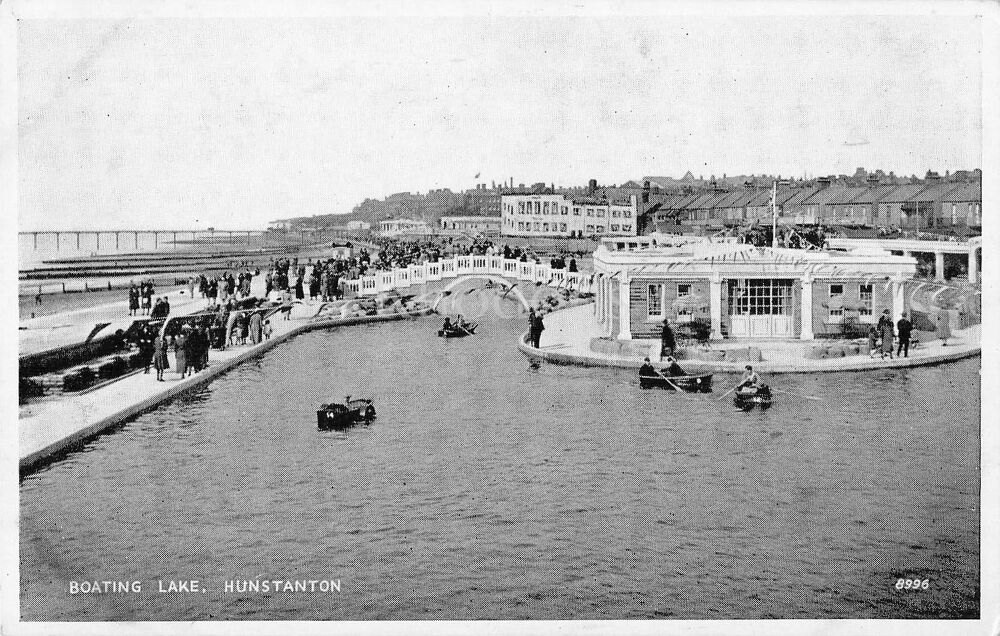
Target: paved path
x=568, y=332
x=44, y=333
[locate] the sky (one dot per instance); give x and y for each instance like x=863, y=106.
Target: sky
x=231, y=123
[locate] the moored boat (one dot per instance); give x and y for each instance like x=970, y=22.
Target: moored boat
x=341, y=415
x=749, y=397
x=698, y=383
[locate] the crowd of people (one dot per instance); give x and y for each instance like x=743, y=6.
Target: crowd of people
x=398, y=253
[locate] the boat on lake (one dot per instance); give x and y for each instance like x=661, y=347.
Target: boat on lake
x=748, y=397
x=699, y=383
x=342, y=415
x=458, y=331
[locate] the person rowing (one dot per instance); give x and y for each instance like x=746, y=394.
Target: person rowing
x=749, y=379
x=674, y=369
x=447, y=324
x=647, y=370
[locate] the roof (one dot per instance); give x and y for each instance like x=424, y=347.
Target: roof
x=965, y=192
x=847, y=195
x=833, y=195
x=934, y=192
x=800, y=196
x=729, y=201
x=763, y=197
x=702, y=201
x=874, y=194
x=902, y=193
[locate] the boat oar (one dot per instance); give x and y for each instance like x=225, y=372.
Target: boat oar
x=808, y=397
x=676, y=388
x=727, y=393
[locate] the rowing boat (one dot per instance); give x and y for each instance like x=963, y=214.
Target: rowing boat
x=700, y=383
x=749, y=397
x=337, y=415
x=458, y=332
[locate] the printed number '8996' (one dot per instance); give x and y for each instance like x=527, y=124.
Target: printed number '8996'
x=913, y=584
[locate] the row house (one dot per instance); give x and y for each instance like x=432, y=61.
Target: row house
x=962, y=207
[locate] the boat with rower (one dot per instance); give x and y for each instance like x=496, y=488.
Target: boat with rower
x=458, y=330
x=750, y=396
x=341, y=415
x=697, y=383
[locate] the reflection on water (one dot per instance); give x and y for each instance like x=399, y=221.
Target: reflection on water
x=488, y=488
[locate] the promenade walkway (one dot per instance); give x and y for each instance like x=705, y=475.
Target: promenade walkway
x=44, y=333
x=568, y=332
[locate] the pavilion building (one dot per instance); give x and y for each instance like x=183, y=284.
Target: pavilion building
x=740, y=290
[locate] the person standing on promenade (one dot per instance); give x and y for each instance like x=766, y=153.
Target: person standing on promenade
x=667, y=341
x=872, y=341
x=146, y=349
x=255, y=327
x=133, y=299
x=191, y=287
x=160, y=361
x=191, y=353
x=532, y=326
x=942, y=326
x=267, y=329
x=539, y=328
x=147, y=298
x=888, y=335
x=180, y=354
x=206, y=344
x=903, y=329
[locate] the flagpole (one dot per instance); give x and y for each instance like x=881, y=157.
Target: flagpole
x=774, y=214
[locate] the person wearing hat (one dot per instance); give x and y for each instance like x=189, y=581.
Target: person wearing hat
x=180, y=352
x=647, y=370
x=674, y=369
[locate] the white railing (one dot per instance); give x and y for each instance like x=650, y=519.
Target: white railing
x=455, y=267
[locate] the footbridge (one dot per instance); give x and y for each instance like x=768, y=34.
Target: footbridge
x=507, y=287
x=500, y=271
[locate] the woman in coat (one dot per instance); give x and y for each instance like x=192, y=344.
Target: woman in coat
x=255, y=327
x=942, y=327
x=160, y=360
x=888, y=334
x=180, y=357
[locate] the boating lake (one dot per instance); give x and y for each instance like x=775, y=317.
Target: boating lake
x=490, y=489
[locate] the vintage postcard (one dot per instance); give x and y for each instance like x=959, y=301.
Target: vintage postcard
x=599, y=317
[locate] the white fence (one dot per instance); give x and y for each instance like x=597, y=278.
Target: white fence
x=457, y=266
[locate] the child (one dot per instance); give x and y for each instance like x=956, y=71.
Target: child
x=872, y=341
x=267, y=330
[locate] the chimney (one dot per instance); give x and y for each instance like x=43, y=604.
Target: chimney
x=591, y=186
x=823, y=182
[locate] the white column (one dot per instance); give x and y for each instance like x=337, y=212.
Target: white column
x=973, y=266
x=609, y=306
x=907, y=253
x=939, y=266
x=715, y=305
x=625, y=310
x=597, y=304
x=897, y=299
x=807, y=308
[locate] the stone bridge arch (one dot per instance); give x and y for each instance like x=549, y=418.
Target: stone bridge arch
x=514, y=290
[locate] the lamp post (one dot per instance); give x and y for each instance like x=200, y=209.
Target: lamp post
x=774, y=212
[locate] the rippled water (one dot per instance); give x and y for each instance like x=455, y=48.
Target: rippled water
x=489, y=489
